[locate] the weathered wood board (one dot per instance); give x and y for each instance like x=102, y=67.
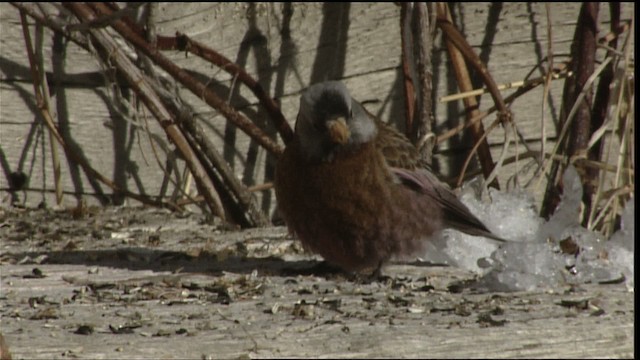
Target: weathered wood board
x=141, y=283
x=286, y=48
x=144, y=284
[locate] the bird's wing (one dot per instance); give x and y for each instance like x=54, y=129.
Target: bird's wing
x=455, y=213
x=407, y=165
x=397, y=150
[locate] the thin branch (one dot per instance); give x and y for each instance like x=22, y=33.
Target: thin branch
x=583, y=49
x=46, y=103
x=53, y=23
x=459, y=50
x=141, y=86
x=574, y=110
x=454, y=36
x=598, y=118
x=184, y=43
x=103, y=21
x=555, y=75
x=190, y=82
x=406, y=40
x=91, y=172
x=246, y=203
x=493, y=125
x=422, y=44
x=547, y=82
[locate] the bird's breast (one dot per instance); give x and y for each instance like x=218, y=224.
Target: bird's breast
x=335, y=207
x=349, y=184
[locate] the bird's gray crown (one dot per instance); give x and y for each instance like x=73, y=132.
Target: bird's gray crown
x=326, y=101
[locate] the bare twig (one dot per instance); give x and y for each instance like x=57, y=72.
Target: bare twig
x=576, y=105
x=141, y=86
x=108, y=18
x=459, y=50
x=406, y=9
x=598, y=117
x=547, y=82
x=493, y=125
x=246, y=213
x=583, y=50
x=622, y=123
x=555, y=74
x=503, y=153
x=453, y=35
x=602, y=166
x=422, y=43
x=91, y=172
x=238, y=201
x=609, y=208
x=526, y=87
x=46, y=103
x=190, y=82
x=261, y=187
x=53, y=23
x=103, y=21
x=183, y=42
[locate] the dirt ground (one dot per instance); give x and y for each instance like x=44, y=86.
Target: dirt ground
x=146, y=283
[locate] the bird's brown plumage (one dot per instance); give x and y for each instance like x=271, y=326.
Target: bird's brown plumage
x=360, y=202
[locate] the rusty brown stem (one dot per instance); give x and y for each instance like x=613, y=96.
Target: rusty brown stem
x=112, y=53
x=237, y=198
x=53, y=23
x=583, y=49
x=463, y=46
x=509, y=99
x=195, y=86
x=459, y=51
x=599, y=113
x=422, y=43
x=407, y=64
x=48, y=120
x=199, y=89
x=184, y=43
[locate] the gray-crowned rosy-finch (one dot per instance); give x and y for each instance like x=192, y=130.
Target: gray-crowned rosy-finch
x=353, y=190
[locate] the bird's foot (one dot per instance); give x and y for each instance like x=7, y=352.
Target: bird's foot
x=375, y=276
x=320, y=268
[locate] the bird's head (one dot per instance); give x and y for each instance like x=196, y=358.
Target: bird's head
x=330, y=121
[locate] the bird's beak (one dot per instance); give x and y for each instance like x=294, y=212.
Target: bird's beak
x=338, y=130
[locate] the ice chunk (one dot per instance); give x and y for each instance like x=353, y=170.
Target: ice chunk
x=534, y=258
x=567, y=213
x=621, y=244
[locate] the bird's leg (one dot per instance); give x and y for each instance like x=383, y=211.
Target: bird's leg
x=321, y=268
x=376, y=275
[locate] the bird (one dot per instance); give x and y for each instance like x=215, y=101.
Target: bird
x=355, y=190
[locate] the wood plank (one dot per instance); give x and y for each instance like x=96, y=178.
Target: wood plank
x=185, y=289
x=511, y=37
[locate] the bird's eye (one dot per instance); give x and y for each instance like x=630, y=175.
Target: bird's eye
x=350, y=114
